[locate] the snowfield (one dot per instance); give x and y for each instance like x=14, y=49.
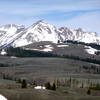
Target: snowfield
x=2, y=97
x=39, y=87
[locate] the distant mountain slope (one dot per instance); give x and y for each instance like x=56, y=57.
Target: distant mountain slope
x=63, y=50
x=18, y=36
x=78, y=35
x=9, y=33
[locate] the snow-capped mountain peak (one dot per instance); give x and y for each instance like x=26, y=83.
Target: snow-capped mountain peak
x=79, y=35
x=9, y=33
x=41, y=31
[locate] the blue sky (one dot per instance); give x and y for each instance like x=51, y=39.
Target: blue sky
x=69, y=13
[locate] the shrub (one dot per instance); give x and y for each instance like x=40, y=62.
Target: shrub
x=88, y=91
x=65, y=91
x=19, y=81
x=97, y=87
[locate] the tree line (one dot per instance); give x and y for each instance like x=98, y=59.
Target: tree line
x=20, y=52
x=93, y=45
x=90, y=60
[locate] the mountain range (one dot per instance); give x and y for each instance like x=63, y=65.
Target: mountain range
x=18, y=36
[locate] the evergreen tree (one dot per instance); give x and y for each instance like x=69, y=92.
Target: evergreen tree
x=88, y=91
x=48, y=85
x=58, y=41
x=24, y=84
x=54, y=86
x=82, y=85
x=4, y=76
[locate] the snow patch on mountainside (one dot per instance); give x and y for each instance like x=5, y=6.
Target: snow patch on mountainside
x=3, y=52
x=20, y=43
x=47, y=48
x=62, y=46
x=90, y=50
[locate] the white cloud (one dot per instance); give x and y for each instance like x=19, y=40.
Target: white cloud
x=37, y=9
